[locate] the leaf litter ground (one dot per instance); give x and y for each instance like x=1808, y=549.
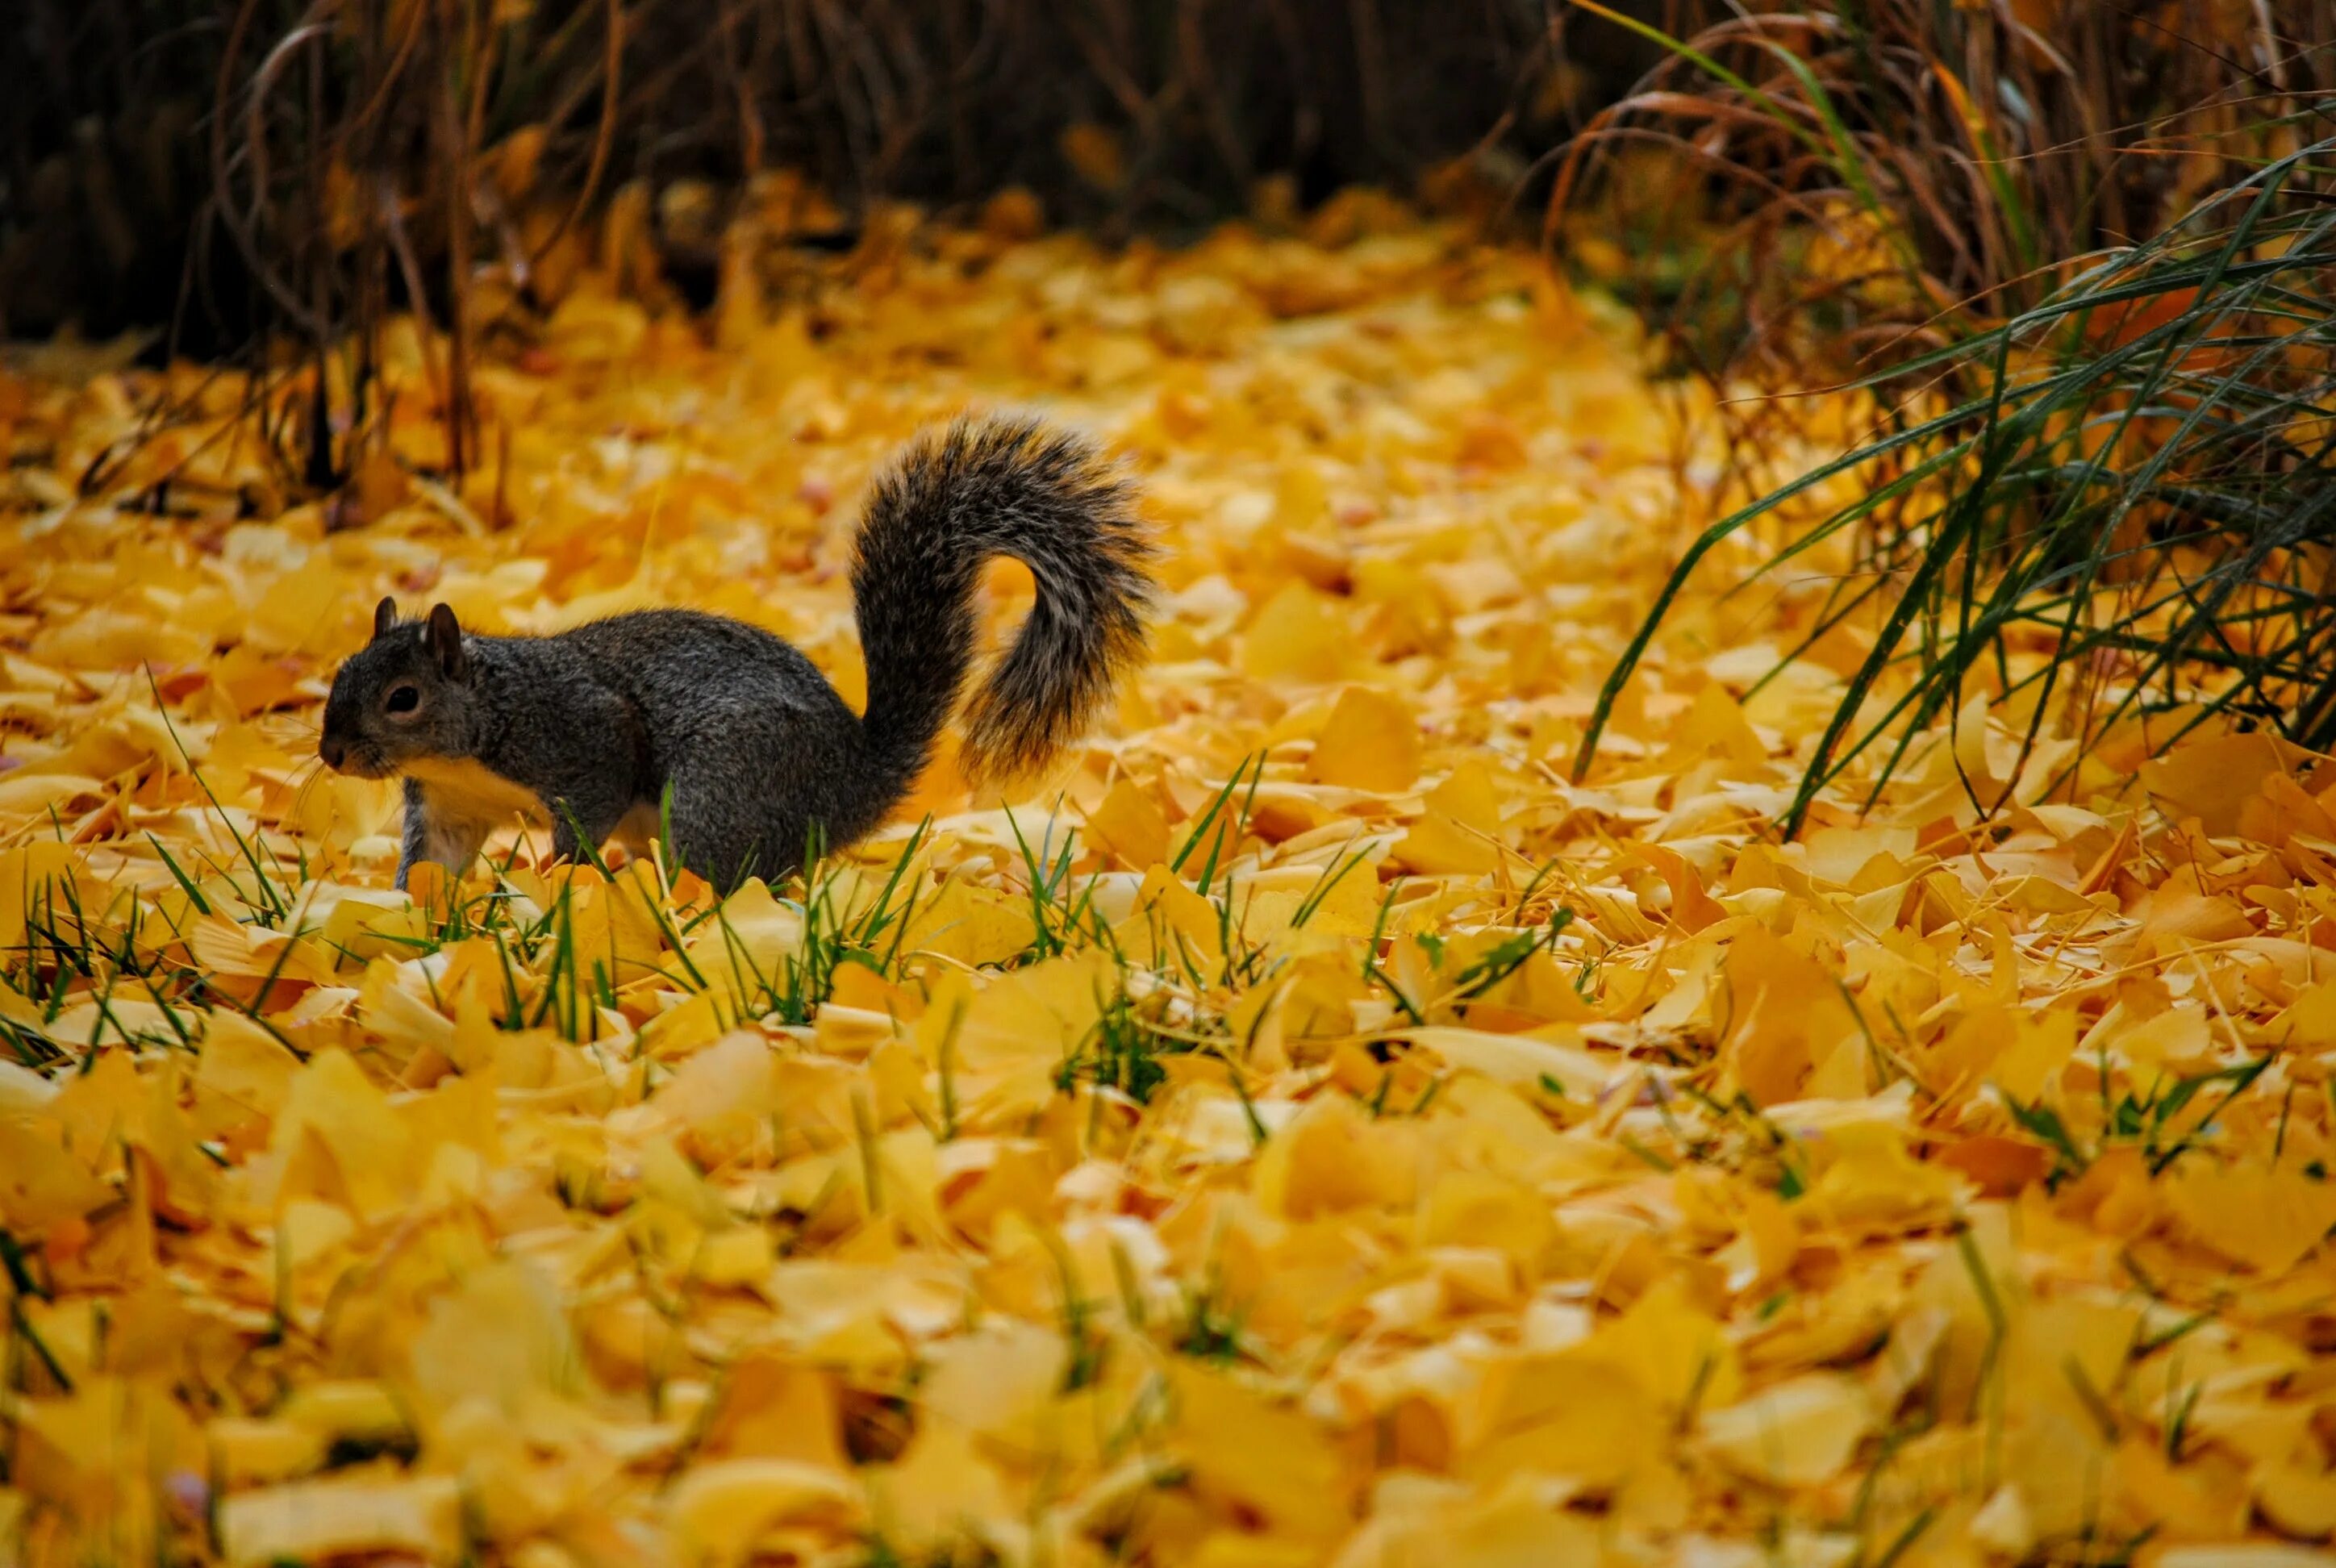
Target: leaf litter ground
x=1308, y=1128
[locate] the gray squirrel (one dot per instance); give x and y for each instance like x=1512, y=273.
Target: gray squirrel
x=591, y=730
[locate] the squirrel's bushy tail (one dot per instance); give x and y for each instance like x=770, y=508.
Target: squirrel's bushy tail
x=984, y=487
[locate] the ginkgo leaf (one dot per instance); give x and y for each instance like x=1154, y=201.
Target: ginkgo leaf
x=1798, y=1433
x=309, y=1520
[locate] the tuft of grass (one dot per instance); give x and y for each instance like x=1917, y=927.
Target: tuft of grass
x=1122, y=1052
x=1211, y=1330
x=1060, y=919
x=837, y=931
x=2117, y=502
x=1798, y=187
x=2150, y=1122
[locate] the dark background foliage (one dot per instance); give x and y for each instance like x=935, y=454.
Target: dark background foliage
x=218, y=168
x=166, y=160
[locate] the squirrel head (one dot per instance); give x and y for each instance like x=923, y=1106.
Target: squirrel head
x=406, y=695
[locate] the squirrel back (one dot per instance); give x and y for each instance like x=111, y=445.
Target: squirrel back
x=998, y=486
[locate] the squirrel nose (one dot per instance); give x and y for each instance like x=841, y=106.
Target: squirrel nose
x=332, y=750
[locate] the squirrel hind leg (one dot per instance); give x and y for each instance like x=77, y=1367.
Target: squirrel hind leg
x=728, y=832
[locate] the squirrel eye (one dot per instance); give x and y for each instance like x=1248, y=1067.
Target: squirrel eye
x=402, y=699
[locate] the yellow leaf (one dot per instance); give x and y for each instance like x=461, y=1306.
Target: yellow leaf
x=500, y=1336
x=2298, y=1501
x=1256, y=1455
x=1439, y=844
x=2213, y=779
x=1692, y=908
x=1521, y=1061
x=741, y=1255
x=244, y=1066
x=1714, y=724
x=2267, y=1218
x=1370, y=743
x=2239, y=1554
x=369, y=923
x=22, y=1091
x=1173, y=926
x=300, y=611
x=245, y=1450
x=1802, y=1432
x=733, y=1077
x=717, y=1510
x=41, y=1184
x=744, y=951
x=2042, y=1044
x=1573, y=1414
x=772, y=1407
x=357, y=1409
x=973, y=925
x=1672, y=1347
x=1129, y=823
x=308, y=1521
x=1870, y=1183
x=942, y=1490
x=1039, y=1014
x=341, y=1143
x=1507, y=1526
x=1297, y=634
x=1784, y=1012
x=686, y=1026
x=1469, y=797
x=1481, y=1209
x=1330, y=1158
x=2309, y=1021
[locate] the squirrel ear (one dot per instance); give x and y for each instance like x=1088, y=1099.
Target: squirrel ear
x=384, y=616
x=443, y=636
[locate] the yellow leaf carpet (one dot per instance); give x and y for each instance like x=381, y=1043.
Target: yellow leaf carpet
x=1309, y=1128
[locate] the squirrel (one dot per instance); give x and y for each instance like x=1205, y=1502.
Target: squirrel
x=728, y=731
